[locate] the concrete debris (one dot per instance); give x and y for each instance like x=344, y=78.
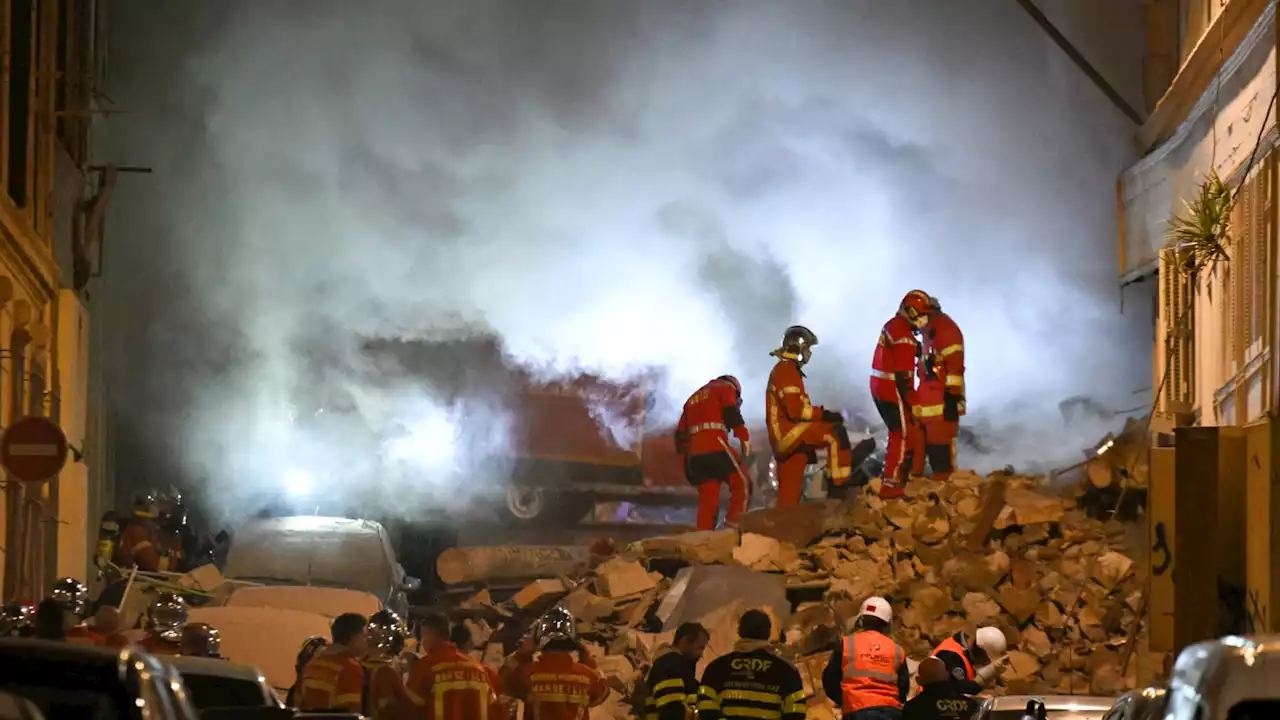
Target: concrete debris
x=1005, y=551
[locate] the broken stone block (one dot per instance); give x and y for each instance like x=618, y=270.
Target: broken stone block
x=931, y=602
x=760, y=552
x=1020, y=603
x=617, y=666
x=799, y=524
x=703, y=546
x=979, y=608
x=1020, y=666
x=1027, y=507
x=617, y=578
x=1036, y=642
x=1111, y=568
x=932, y=526
x=699, y=590
x=539, y=589
x=586, y=606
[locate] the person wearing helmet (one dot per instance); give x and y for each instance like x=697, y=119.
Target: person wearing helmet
x=446, y=682
x=968, y=662
x=141, y=544
x=554, y=685
x=892, y=369
x=200, y=640
x=798, y=428
x=939, y=698
x=384, y=694
x=941, y=403
x=310, y=648
x=334, y=678
x=165, y=619
x=867, y=675
x=17, y=620
x=461, y=637
x=73, y=597
x=702, y=439
x=753, y=680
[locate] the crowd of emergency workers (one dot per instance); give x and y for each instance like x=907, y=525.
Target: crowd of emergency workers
x=917, y=385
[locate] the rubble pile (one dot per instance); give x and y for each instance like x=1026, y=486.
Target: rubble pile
x=972, y=551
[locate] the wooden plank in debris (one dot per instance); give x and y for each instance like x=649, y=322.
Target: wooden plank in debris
x=471, y=564
x=992, y=503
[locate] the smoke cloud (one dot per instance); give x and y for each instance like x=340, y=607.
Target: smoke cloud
x=604, y=186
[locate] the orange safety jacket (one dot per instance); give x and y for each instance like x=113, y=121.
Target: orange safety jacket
x=557, y=687
x=943, y=341
x=950, y=645
x=332, y=680
x=157, y=645
x=385, y=697
x=787, y=405
x=895, y=357
x=709, y=415
x=450, y=685
x=82, y=635
x=872, y=666
x=929, y=400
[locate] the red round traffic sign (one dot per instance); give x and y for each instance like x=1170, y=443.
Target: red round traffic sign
x=33, y=449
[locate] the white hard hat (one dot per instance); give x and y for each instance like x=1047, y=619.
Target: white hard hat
x=876, y=607
x=992, y=642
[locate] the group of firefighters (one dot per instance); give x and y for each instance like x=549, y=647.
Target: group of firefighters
x=917, y=384
x=65, y=615
x=153, y=537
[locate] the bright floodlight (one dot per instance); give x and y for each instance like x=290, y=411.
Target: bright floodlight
x=297, y=482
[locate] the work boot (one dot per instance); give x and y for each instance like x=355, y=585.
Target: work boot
x=891, y=491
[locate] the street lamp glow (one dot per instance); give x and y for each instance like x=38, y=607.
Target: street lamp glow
x=297, y=482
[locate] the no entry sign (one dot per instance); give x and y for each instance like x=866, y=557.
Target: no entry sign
x=33, y=449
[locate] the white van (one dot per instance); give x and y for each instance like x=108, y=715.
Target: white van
x=324, y=551
x=1233, y=678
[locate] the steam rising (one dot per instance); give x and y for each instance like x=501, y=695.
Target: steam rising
x=604, y=186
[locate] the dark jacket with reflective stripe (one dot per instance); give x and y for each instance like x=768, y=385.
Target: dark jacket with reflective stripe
x=672, y=686
x=751, y=681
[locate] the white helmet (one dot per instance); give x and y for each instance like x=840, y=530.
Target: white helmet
x=992, y=642
x=876, y=607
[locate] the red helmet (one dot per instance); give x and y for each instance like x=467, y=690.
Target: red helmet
x=916, y=307
x=737, y=386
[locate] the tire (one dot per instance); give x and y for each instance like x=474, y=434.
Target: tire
x=524, y=505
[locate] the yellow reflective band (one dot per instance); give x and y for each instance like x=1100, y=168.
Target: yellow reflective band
x=750, y=712
x=562, y=698
x=928, y=411
x=955, y=381
x=905, y=341
x=142, y=546
x=793, y=703
x=667, y=700
x=806, y=412
x=790, y=390
x=707, y=426
x=751, y=695
x=786, y=442
x=949, y=350
x=348, y=698
x=882, y=375
x=673, y=683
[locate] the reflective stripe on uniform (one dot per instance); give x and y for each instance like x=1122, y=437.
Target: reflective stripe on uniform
x=790, y=390
x=707, y=426
x=793, y=703
x=955, y=381
x=882, y=375
x=949, y=350
x=925, y=411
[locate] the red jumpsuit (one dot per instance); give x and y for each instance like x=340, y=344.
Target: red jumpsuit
x=702, y=439
x=797, y=429
x=892, y=369
x=942, y=371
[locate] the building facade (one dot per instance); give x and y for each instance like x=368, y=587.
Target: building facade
x=52, y=202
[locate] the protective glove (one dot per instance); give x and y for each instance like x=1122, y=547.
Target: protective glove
x=832, y=416
x=951, y=407
x=746, y=448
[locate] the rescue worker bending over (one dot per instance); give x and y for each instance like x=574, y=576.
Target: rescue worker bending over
x=941, y=376
x=334, y=678
x=445, y=683
x=165, y=620
x=73, y=597
x=867, y=676
x=200, y=640
x=967, y=663
x=798, y=428
x=892, y=369
x=461, y=637
x=141, y=543
x=384, y=695
x=310, y=648
x=702, y=439
x=671, y=687
x=939, y=698
x=555, y=686
x=751, y=681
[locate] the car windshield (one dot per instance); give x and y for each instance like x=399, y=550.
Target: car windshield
x=209, y=691
x=66, y=689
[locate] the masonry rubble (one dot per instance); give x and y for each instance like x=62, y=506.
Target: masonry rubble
x=1059, y=583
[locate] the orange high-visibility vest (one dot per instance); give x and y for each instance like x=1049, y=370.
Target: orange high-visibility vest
x=872, y=663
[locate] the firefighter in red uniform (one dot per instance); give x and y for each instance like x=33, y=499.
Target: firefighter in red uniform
x=892, y=371
x=555, y=686
x=702, y=440
x=141, y=542
x=942, y=350
x=797, y=428
x=166, y=618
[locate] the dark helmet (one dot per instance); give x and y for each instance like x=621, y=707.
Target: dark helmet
x=557, y=624
x=737, y=386
x=17, y=620
x=72, y=595
x=146, y=504
x=167, y=616
x=310, y=649
x=201, y=640
x=797, y=341
x=386, y=633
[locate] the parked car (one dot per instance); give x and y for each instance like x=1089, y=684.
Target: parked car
x=69, y=681
x=1235, y=678
x=325, y=551
x=218, y=683
x=1057, y=707
x=15, y=707
x=1142, y=704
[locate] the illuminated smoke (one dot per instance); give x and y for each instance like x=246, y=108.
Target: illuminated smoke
x=608, y=186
